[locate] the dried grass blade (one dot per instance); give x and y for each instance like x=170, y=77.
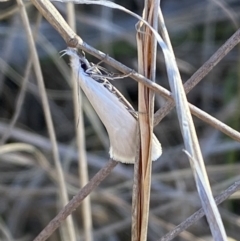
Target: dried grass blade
x=146, y=66
x=192, y=146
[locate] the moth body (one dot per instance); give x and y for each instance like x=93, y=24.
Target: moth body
x=116, y=117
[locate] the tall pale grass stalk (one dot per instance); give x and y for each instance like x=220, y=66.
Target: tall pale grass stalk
x=80, y=138
x=62, y=184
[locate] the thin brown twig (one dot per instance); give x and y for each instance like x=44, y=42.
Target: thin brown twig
x=76, y=201
x=200, y=213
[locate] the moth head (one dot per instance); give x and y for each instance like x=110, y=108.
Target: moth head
x=85, y=65
x=77, y=58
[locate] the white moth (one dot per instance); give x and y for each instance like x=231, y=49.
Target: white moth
x=116, y=113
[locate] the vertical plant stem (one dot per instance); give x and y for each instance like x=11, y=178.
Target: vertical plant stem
x=62, y=186
x=80, y=137
x=191, y=143
x=142, y=173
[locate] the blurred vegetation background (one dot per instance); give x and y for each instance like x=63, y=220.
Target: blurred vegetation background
x=28, y=193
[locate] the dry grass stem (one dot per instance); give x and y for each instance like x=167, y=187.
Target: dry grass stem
x=62, y=184
x=80, y=138
x=146, y=66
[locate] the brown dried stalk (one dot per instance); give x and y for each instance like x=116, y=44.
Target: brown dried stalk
x=142, y=174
